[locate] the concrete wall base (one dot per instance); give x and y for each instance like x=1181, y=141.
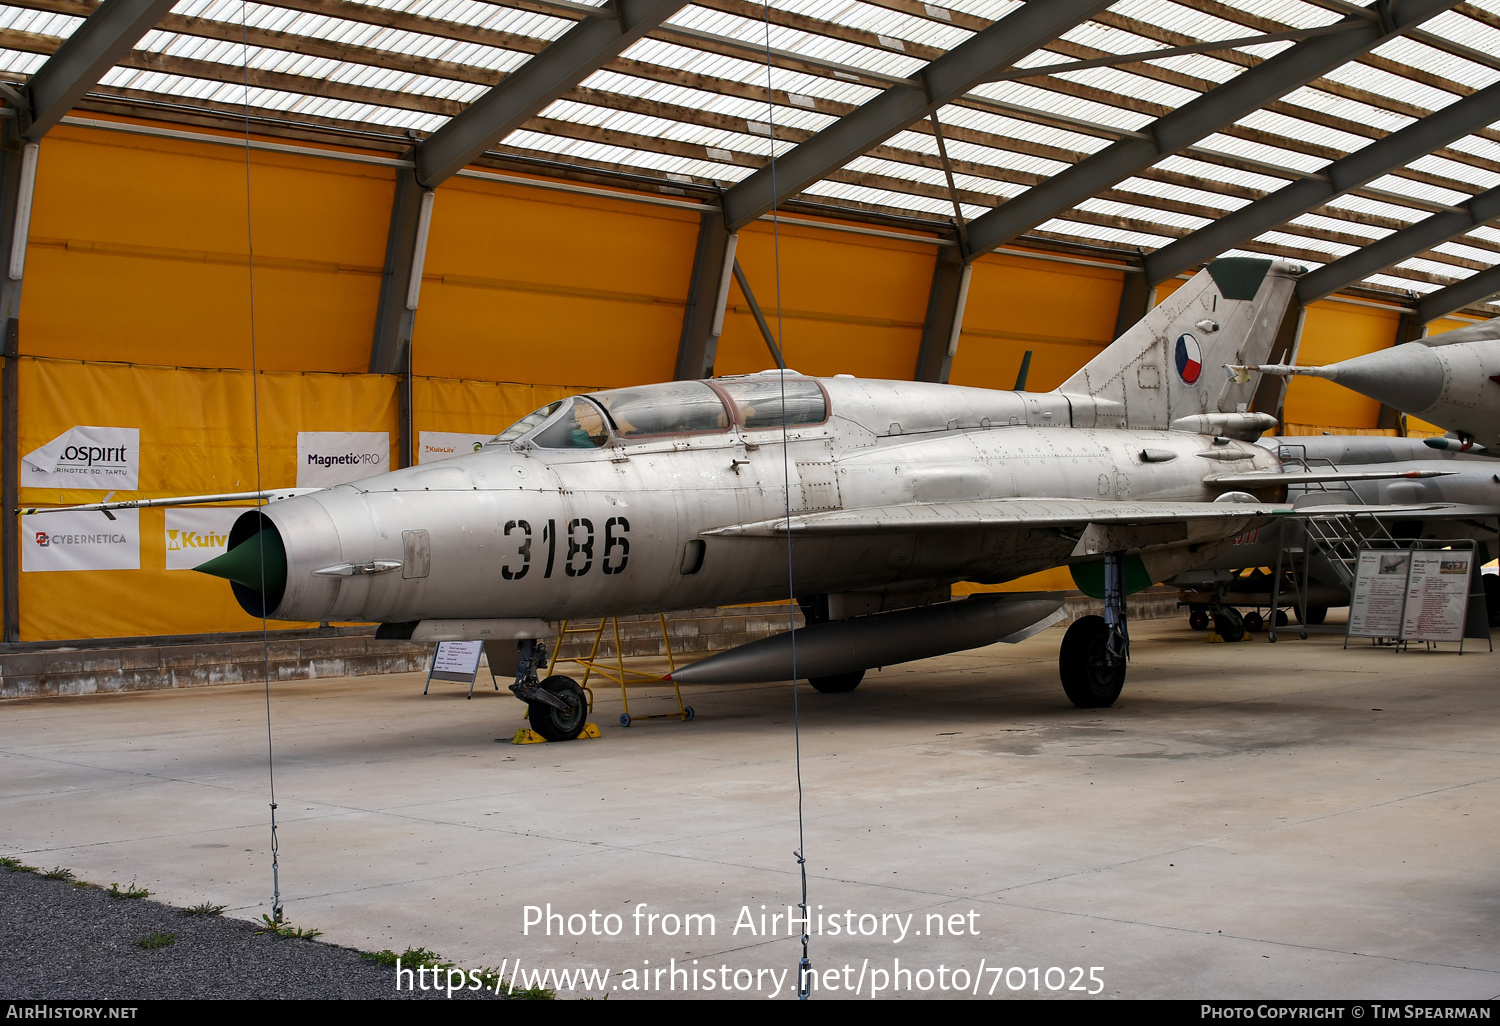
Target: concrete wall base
x=122, y=664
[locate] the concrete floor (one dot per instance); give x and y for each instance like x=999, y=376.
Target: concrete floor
x=1251, y=821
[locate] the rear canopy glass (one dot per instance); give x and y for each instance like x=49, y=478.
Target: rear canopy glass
x=757, y=402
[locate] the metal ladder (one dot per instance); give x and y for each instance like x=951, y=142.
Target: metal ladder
x=1333, y=539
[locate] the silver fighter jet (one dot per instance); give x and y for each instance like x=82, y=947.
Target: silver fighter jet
x=865, y=499
x=1451, y=380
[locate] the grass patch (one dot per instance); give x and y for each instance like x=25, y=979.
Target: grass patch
x=128, y=891
x=156, y=940
x=204, y=908
x=58, y=873
x=415, y=958
x=11, y=865
x=286, y=929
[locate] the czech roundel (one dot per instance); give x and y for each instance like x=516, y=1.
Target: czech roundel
x=1189, y=358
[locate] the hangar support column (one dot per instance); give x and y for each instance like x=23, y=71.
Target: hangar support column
x=12, y=149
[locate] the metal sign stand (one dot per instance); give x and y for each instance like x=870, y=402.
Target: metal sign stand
x=457, y=661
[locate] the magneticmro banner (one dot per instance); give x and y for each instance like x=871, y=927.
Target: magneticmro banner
x=326, y=458
x=81, y=541
x=86, y=457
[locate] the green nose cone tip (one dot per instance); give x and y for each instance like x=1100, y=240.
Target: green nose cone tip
x=258, y=562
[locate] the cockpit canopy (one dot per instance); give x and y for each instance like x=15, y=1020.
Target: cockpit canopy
x=670, y=409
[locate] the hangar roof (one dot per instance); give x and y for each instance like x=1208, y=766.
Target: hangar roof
x=697, y=105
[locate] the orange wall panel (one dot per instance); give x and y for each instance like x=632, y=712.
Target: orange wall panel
x=849, y=304
x=1064, y=313
x=522, y=283
x=139, y=251
x=1331, y=332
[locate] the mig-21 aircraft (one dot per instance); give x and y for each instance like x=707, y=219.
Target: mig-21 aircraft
x=865, y=499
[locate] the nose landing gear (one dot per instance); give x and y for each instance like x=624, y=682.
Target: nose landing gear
x=557, y=707
x=1096, y=648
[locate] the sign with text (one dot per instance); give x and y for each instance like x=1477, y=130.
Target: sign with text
x=326, y=458
x=86, y=457
x=1379, y=599
x=81, y=541
x=440, y=445
x=194, y=536
x=1437, y=595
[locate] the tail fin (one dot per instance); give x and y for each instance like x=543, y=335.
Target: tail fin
x=1169, y=364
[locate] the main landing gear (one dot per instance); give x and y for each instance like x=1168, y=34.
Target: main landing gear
x=1096, y=648
x=556, y=707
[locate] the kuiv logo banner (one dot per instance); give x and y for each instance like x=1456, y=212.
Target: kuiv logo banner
x=194, y=536
x=327, y=458
x=81, y=541
x=105, y=458
x=440, y=445
x=1189, y=357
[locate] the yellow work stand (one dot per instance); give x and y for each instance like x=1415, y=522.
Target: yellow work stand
x=616, y=671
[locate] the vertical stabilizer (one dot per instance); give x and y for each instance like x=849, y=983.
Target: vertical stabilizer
x=1170, y=363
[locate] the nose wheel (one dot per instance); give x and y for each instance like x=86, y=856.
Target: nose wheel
x=556, y=707
x=1096, y=648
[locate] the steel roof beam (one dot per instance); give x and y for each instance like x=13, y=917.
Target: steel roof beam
x=575, y=55
x=84, y=58
x=1181, y=128
x=1359, y=168
x=1402, y=245
x=943, y=80
x=1459, y=295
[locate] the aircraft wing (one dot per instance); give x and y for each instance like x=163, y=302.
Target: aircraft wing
x=950, y=516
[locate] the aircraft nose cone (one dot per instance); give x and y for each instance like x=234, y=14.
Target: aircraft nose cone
x=258, y=562
x=254, y=566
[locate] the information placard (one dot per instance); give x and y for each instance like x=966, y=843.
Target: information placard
x=1437, y=595
x=1379, y=599
x=457, y=660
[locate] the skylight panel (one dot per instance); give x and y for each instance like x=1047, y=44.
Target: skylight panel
x=1333, y=224
x=880, y=20
x=1421, y=288
x=1379, y=208
x=1478, y=177
x=1456, y=247
x=1228, y=144
x=16, y=61
x=1104, y=233
x=1304, y=131
x=1433, y=267
x=1168, y=190
x=1166, y=218
x=1384, y=83
x=797, y=41
x=1349, y=110
x=1048, y=101
x=43, y=23
x=1129, y=83
x=1333, y=249
x=1188, y=165
x=1420, y=190
x=1029, y=131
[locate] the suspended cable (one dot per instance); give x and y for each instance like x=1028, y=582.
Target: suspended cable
x=778, y=349
x=265, y=632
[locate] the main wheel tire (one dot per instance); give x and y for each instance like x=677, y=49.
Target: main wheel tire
x=555, y=724
x=1492, y=598
x=1198, y=618
x=1089, y=678
x=837, y=685
x=1281, y=618
x=1316, y=615
x=1254, y=622
x=1229, y=624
